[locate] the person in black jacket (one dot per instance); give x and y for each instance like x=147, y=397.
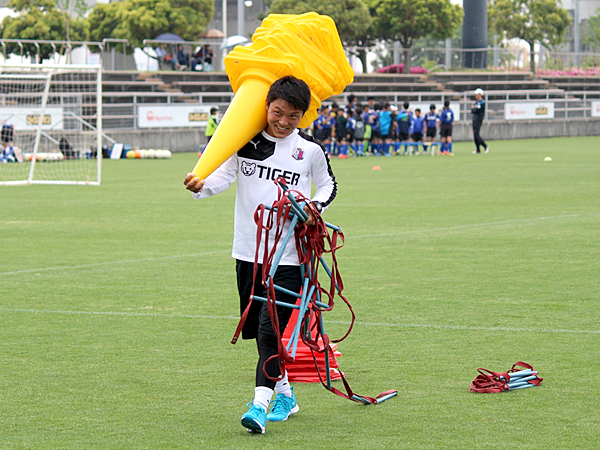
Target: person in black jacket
x=478, y=111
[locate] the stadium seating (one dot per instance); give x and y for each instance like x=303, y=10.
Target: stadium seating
x=376, y=85
x=497, y=85
x=493, y=83
x=130, y=81
x=445, y=77
x=124, y=89
x=574, y=85
x=382, y=83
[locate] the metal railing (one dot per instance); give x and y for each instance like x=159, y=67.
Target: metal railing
x=120, y=109
x=30, y=51
x=502, y=58
x=112, y=52
x=123, y=115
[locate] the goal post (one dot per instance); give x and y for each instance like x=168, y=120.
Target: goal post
x=50, y=124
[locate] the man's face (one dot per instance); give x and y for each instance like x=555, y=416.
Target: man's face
x=478, y=97
x=282, y=118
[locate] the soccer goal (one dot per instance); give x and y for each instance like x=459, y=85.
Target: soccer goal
x=51, y=124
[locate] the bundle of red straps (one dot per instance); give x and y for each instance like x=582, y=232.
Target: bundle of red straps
x=488, y=382
x=312, y=243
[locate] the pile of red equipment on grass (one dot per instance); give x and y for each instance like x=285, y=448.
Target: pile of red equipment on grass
x=303, y=368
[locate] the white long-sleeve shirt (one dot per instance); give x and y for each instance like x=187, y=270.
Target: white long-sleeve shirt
x=297, y=158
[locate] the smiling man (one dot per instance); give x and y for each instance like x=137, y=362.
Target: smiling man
x=280, y=150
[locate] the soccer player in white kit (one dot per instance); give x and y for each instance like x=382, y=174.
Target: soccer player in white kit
x=280, y=150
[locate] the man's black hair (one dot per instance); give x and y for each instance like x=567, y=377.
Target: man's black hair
x=213, y=110
x=446, y=103
x=291, y=89
x=406, y=105
x=432, y=106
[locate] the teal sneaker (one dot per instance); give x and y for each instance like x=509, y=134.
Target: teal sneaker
x=255, y=419
x=283, y=407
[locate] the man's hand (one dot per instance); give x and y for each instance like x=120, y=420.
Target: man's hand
x=311, y=217
x=193, y=183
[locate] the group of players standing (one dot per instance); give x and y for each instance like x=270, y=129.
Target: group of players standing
x=380, y=129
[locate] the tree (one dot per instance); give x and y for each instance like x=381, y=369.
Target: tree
x=136, y=20
x=104, y=22
x=542, y=21
x=591, y=35
x=40, y=20
x=351, y=17
x=407, y=20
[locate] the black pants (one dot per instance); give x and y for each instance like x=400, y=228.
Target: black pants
x=258, y=324
x=477, y=137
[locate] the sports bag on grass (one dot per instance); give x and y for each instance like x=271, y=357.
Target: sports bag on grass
x=516, y=378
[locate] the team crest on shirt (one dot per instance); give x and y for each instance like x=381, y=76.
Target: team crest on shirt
x=248, y=169
x=298, y=154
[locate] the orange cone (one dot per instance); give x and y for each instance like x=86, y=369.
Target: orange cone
x=303, y=368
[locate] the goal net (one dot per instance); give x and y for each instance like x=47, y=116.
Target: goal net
x=50, y=124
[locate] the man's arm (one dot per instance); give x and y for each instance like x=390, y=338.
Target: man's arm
x=216, y=182
x=324, y=180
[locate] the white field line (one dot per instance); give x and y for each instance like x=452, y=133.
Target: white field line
x=110, y=263
x=460, y=227
x=361, y=324
x=365, y=236
x=118, y=314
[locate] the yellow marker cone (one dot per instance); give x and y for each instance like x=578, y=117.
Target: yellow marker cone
x=244, y=119
x=306, y=46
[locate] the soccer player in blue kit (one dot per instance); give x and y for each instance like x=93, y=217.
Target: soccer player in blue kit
x=446, y=119
x=431, y=124
x=418, y=128
x=280, y=150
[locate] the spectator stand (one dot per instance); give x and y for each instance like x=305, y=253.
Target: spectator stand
x=577, y=87
x=189, y=47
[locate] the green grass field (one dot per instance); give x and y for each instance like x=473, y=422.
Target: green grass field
x=118, y=302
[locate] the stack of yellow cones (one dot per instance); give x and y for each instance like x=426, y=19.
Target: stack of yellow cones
x=306, y=46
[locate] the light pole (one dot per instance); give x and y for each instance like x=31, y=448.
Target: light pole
x=240, y=14
x=576, y=32
x=224, y=7
x=241, y=5
x=475, y=33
